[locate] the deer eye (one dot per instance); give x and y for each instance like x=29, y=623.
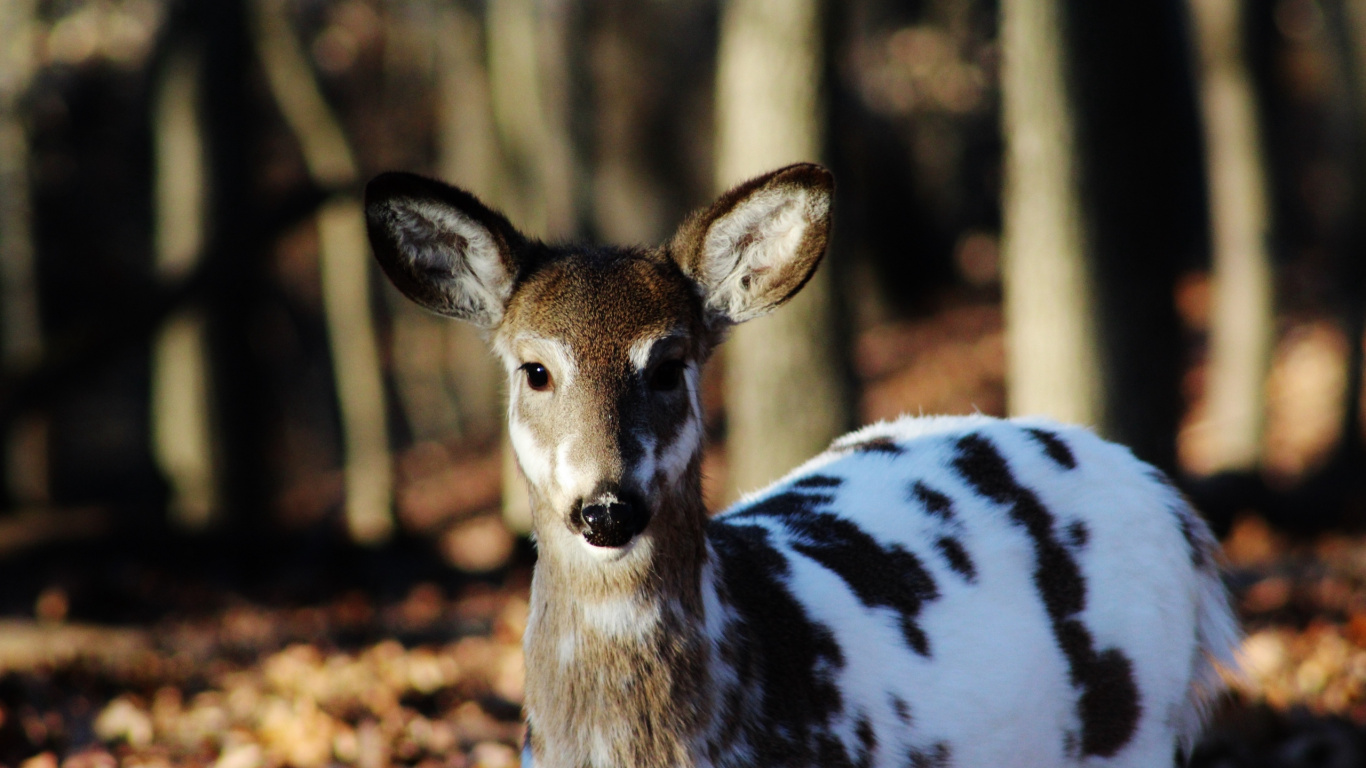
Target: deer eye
x=537, y=377
x=667, y=375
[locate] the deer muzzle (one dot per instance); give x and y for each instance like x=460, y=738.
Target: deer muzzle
x=609, y=518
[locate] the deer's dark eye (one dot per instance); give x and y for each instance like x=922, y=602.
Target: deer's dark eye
x=667, y=376
x=537, y=377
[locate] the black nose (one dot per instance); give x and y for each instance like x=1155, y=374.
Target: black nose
x=610, y=521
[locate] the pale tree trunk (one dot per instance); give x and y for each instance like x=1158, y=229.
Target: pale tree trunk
x=1053, y=364
x=528, y=92
x=1242, y=322
x=182, y=435
x=787, y=391
x=345, y=269
x=21, y=342
x=467, y=155
x=415, y=34
x=447, y=381
x=1101, y=173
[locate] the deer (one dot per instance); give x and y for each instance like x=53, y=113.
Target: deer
x=930, y=591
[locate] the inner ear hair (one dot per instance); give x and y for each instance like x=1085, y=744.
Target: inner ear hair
x=442, y=247
x=759, y=243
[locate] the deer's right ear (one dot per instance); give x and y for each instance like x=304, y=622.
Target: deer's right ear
x=442, y=247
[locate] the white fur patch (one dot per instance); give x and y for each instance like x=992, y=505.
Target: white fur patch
x=673, y=458
x=754, y=240
x=613, y=554
x=534, y=458
x=424, y=230
x=644, y=471
x=572, y=479
x=567, y=648
x=640, y=350
x=620, y=617
x=554, y=354
x=995, y=687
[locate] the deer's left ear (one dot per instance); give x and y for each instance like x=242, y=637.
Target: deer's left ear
x=757, y=245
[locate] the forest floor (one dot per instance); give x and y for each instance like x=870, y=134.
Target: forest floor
x=120, y=650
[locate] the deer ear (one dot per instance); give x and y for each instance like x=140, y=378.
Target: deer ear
x=442, y=247
x=759, y=243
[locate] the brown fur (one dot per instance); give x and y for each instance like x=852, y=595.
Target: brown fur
x=648, y=687
x=638, y=695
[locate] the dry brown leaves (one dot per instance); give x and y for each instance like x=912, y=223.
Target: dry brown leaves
x=213, y=702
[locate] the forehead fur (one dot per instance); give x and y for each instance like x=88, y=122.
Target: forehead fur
x=601, y=300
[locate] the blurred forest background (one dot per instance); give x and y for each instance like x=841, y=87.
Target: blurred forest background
x=257, y=510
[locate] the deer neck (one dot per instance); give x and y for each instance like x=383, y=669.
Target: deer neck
x=617, y=658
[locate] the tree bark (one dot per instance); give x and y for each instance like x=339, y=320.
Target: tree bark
x=468, y=155
x=21, y=341
x=1053, y=359
x=786, y=381
x=1103, y=202
x=182, y=433
x=1242, y=324
x=345, y=269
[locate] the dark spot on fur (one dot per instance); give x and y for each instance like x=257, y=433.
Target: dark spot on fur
x=1197, y=550
x=1078, y=534
x=867, y=740
x=1108, y=705
x=830, y=751
x=937, y=756
x=781, y=505
x=881, y=444
x=818, y=481
x=1109, y=724
x=1186, y=518
x=785, y=656
x=731, y=719
x=957, y=557
x=1071, y=744
x=881, y=576
x=934, y=502
x=900, y=708
x=1056, y=449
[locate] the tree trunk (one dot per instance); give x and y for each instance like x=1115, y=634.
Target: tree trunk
x=468, y=155
x=1053, y=362
x=1102, y=204
x=1242, y=325
x=345, y=269
x=240, y=383
x=21, y=343
x=182, y=434
x=786, y=381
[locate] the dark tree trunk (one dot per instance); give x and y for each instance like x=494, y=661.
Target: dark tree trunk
x=1131, y=139
x=237, y=272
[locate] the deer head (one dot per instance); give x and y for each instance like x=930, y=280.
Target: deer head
x=603, y=345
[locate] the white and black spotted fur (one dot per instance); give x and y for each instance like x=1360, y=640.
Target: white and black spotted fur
x=959, y=591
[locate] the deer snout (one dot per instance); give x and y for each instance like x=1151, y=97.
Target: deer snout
x=609, y=517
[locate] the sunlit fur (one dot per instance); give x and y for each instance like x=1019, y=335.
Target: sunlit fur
x=929, y=592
